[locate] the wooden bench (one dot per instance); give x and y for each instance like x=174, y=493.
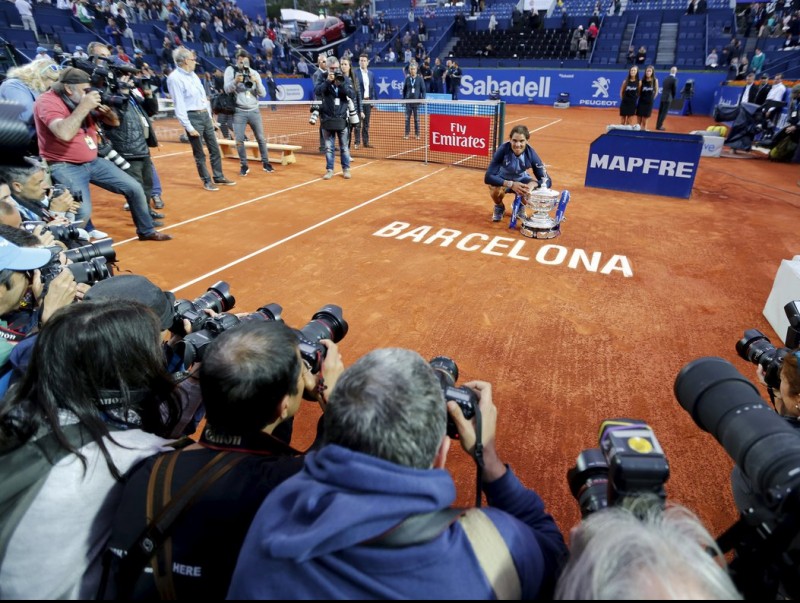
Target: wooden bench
x=228, y=148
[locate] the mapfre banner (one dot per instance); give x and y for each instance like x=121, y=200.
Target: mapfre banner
x=460, y=134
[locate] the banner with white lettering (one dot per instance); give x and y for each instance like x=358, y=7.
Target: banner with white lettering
x=654, y=163
x=460, y=134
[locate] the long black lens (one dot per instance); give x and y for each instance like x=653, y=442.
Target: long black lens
x=727, y=405
x=217, y=298
x=90, y=272
x=327, y=323
x=102, y=248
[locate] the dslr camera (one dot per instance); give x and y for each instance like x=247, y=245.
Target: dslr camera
x=217, y=298
x=312, y=120
x=65, y=234
x=756, y=347
x=766, y=449
x=88, y=272
x=628, y=464
x=446, y=370
x=245, y=73
x=338, y=76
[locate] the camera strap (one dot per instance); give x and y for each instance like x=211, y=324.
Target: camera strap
x=487, y=543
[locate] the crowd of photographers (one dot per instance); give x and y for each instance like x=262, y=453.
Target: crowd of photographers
x=175, y=476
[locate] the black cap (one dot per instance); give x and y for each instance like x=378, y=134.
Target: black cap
x=133, y=287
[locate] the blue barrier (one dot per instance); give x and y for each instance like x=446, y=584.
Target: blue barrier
x=645, y=162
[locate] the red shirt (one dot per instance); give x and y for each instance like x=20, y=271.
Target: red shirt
x=48, y=108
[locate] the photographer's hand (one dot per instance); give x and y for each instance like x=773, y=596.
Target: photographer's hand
x=61, y=293
x=332, y=367
x=64, y=202
x=493, y=467
x=46, y=238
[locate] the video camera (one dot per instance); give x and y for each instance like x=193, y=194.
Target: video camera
x=766, y=449
x=628, y=464
x=755, y=347
x=446, y=370
x=327, y=323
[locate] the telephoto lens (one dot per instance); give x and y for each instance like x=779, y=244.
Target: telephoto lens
x=327, y=323
x=446, y=370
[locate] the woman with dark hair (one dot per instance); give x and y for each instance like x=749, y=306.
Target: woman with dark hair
x=94, y=395
x=347, y=71
x=648, y=90
x=629, y=95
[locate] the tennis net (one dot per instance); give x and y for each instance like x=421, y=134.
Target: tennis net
x=462, y=133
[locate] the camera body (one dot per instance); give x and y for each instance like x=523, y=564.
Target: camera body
x=65, y=234
x=88, y=272
x=217, y=298
x=446, y=371
x=756, y=347
x=628, y=464
x=245, y=73
x=338, y=76
x=327, y=323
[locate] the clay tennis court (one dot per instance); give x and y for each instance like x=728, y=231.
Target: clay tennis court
x=595, y=326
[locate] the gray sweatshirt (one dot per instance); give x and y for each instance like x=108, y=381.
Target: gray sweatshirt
x=246, y=98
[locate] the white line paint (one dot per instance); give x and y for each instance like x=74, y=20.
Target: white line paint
x=302, y=232
x=414, y=150
x=159, y=156
x=230, y=207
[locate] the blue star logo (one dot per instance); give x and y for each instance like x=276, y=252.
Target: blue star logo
x=383, y=86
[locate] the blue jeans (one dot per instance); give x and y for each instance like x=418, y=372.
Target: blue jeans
x=241, y=119
x=156, y=183
x=108, y=176
x=329, y=136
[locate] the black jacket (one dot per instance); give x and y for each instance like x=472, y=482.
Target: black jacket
x=328, y=92
x=670, y=89
x=128, y=139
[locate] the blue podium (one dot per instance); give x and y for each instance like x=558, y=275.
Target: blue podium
x=654, y=163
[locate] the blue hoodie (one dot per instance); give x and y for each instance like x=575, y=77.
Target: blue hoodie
x=306, y=539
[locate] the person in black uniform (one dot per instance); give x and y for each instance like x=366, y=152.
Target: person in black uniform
x=413, y=88
x=668, y=92
x=647, y=94
x=629, y=95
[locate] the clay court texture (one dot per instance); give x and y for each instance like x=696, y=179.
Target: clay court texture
x=592, y=325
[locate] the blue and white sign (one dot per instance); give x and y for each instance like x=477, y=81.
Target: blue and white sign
x=645, y=162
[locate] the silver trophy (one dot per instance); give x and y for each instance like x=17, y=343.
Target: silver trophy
x=540, y=224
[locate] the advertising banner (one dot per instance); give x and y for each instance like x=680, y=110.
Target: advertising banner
x=654, y=163
x=460, y=134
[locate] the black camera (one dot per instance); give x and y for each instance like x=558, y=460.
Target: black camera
x=103, y=248
x=64, y=233
x=89, y=272
x=755, y=347
x=314, y=109
x=766, y=449
x=192, y=347
x=327, y=323
x=446, y=370
x=338, y=76
x=217, y=298
x=245, y=73
x=628, y=464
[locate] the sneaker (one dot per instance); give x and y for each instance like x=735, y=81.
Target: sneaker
x=499, y=212
x=209, y=186
x=224, y=181
x=155, y=214
x=97, y=234
x=356, y=146
x=158, y=203
x=127, y=207
x=346, y=174
x=268, y=168
x=244, y=170
x=405, y=137
x=328, y=175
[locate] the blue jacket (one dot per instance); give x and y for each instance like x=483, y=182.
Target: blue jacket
x=507, y=166
x=306, y=541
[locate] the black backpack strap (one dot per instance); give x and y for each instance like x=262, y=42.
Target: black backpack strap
x=417, y=529
x=154, y=544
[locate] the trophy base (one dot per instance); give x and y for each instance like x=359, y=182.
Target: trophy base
x=533, y=232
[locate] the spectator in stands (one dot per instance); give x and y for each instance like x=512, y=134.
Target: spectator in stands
x=690, y=9
x=122, y=56
x=591, y=33
x=508, y=171
x=253, y=382
x=750, y=89
x=391, y=57
x=762, y=88
x=80, y=53
x=68, y=140
x=193, y=111
x=382, y=462
x=648, y=90
x=641, y=56
x=629, y=95
x=23, y=85
x=644, y=553
x=246, y=83
x=669, y=91
x=583, y=47
x=99, y=413
x=757, y=64
x=166, y=52
x=301, y=67
x=733, y=70
x=41, y=53
x=207, y=40
x=744, y=68
x=26, y=16
x=631, y=56
x=712, y=60
x=776, y=99
x=222, y=49
x=492, y=22
x=112, y=32
x=422, y=30
x=138, y=58
x=575, y=41
x=218, y=25
x=791, y=129
x=365, y=85
x=84, y=13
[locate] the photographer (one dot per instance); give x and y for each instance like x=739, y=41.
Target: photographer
x=135, y=134
x=787, y=404
x=65, y=124
x=246, y=84
x=334, y=90
x=324, y=531
x=644, y=554
x=253, y=382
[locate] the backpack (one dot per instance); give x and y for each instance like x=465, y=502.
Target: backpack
x=23, y=472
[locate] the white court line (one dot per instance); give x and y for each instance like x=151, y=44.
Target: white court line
x=405, y=152
x=224, y=209
x=152, y=156
x=302, y=232
x=511, y=122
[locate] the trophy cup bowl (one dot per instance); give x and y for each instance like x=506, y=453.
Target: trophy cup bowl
x=540, y=225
